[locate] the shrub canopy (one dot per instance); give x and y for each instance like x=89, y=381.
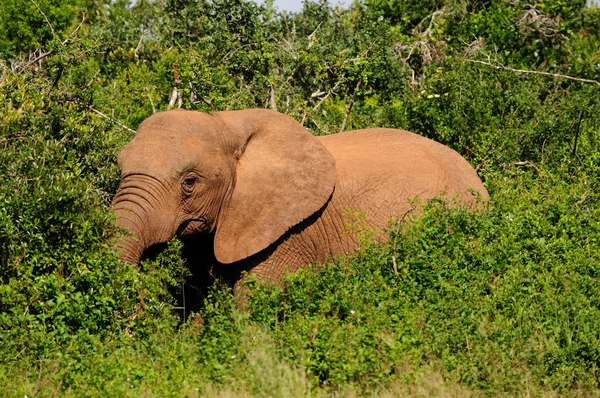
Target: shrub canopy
x=505, y=300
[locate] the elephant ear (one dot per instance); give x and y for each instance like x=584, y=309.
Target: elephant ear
x=284, y=175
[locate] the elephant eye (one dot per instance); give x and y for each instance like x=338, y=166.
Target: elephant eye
x=189, y=182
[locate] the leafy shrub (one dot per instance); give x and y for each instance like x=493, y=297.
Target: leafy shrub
x=503, y=300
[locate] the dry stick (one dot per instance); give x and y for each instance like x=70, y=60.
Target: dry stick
x=173, y=98
x=195, y=95
x=139, y=45
x=115, y=121
x=67, y=40
x=526, y=164
x=350, y=105
x=394, y=264
x=576, y=138
x=208, y=102
x=87, y=86
x=332, y=91
x=62, y=379
x=272, y=103
x=45, y=17
x=578, y=79
x=151, y=103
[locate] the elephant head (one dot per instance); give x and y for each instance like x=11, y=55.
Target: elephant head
x=248, y=176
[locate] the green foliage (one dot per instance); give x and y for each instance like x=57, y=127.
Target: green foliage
x=502, y=300
x=28, y=25
x=495, y=299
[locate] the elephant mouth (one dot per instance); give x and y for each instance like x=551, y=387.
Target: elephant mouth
x=198, y=226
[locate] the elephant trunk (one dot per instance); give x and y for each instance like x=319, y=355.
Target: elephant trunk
x=137, y=211
x=131, y=250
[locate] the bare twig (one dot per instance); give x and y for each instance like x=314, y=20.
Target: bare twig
x=173, y=97
x=319, y=92
x=343, y=127
x=4, y=69
x=480, y=164
x=524, y=164
x=225, y=57
x=65, y=42
x=557, y=75
x=73, y=33
x=272, y=102
x=195, y=95
x=87, y=86
x=311, y=37
x=398, y=224
x=316, y=124
x=115, y=121
x=208, y=102
x=574, y=151
x=427, y=31
x=323, y=99
x=139, y=45
x=62, y=379
x=45, y=17
x=394, y=264
x=152, y=103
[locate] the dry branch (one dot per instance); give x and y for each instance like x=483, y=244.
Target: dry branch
x=115, y=121
x=52, y=51
x=574, y=149
x=534, y=72
x=272, y=102
x=46, y=18
x=398, y=224
x=350, y=105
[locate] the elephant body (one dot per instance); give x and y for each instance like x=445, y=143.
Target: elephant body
x=269, y=196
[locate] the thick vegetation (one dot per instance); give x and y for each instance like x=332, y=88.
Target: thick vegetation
x=505, y=300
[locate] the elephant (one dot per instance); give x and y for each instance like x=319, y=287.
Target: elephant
x=259, y=193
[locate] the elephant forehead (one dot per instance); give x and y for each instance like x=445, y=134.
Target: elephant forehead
x=184, y=124
x=165, y=154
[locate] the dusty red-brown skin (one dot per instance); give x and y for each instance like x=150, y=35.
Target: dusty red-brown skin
x=274, y=197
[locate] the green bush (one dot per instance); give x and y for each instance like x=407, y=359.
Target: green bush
x=501, y=300
x=496, y=299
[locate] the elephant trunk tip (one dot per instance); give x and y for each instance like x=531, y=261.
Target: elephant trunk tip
x=130, y=250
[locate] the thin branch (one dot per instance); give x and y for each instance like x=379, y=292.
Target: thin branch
x=399, y=223
x=311, y=37
x=343, y=127
x=329, y=92
x=574, y=151
x=115, y=121
x=303, y=119
x=4, y=69
x=558, y=75
x=139, y=45
x=173, y=98
x=151, y=103
x=87, y=86
x=523, y=164
x=45, y=17
x=67, y=40
x=73, y=33
x=208, y=102
x=195, y=95
x=272, y=101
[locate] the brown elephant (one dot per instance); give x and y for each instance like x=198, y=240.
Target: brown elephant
x=269, y=196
